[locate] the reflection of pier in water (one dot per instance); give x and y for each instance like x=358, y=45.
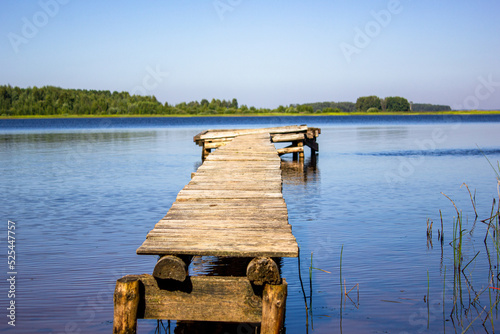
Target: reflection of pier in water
x=295, y=173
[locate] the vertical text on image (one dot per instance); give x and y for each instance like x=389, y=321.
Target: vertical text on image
x=11, y=272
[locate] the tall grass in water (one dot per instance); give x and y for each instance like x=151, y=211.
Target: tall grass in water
x=470, y=309
x=308, y=306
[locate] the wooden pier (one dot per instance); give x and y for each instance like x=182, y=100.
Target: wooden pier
x=298, y=136
x=232, y=207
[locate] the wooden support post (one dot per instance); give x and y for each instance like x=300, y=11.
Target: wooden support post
x=126, y=302
x=263, y=270
x=172, y=267
x=301, y=153
x=273, y=308
x=204, y=152
x=295, y=154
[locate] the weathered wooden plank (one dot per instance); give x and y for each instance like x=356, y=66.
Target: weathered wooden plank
x=214, y=157
x=221, y=175
x=250, y=162
x=237, y=249
x=223, y=214
x=228, y=165
x=248, y=185
x=233, y=210
x=210, y=146
x=188, y=194
x=264, y=151
x=227, y=225
x=210, y=238
x=279, y=138
x=257, y=203
x=294, y=149
x=229, y=299
x=212, y=134
x=235, y=176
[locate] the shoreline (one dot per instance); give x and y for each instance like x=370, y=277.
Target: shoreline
x=463, y=112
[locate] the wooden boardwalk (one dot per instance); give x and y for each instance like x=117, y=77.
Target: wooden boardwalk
x=233, y=206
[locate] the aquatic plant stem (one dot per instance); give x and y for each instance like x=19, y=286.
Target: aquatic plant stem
x=341, y=290
x=310, y=282
x=472, y=199
x=428, y=310
x=303, y=293
x=444, y=293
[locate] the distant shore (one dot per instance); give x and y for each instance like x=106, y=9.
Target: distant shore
x=460, y=112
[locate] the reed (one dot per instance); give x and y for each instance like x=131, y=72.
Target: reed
x=311, y=291
x=341, y=290
x=442, y=228
x=303, y=292
x=308, y=306
x=472, y=198
x=444, y=293
x=428, y=303
x=429, y=232
x=467, y=310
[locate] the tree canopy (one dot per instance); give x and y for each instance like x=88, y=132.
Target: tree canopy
x=367, y=102
x=396, y=103
x=49, y=100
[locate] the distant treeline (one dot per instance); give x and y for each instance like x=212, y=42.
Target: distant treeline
x=376, y=104
x=429, y=107
x=331, y=106
x=49, y=100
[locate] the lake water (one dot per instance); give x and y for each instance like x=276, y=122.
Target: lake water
x=83, y=194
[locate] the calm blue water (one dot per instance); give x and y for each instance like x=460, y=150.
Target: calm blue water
x=84, y=193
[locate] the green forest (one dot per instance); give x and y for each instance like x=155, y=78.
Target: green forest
x=54, y=101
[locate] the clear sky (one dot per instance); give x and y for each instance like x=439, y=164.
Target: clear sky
x=265, y=53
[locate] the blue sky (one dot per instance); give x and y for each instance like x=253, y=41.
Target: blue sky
x=264, y=53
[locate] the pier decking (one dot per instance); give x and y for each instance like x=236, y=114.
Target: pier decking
x=232, y=207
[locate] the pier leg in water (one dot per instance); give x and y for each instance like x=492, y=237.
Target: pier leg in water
x=273, y=308
x=126, y=301
x=301, y=153
x=295, y=154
